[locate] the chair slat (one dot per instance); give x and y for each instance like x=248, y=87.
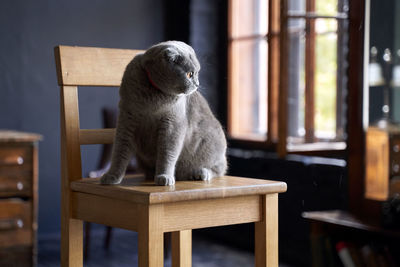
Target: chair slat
x=90, y=66
x=96, y=136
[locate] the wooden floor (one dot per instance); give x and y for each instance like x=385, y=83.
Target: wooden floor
x=123, y=252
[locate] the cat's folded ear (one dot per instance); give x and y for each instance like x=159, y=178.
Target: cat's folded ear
x=172, y=55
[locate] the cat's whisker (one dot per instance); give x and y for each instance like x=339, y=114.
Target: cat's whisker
x=200, y=88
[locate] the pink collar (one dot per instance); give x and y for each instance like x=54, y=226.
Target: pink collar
x=151, y=81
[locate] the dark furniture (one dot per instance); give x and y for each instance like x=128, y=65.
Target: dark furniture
x=18, y=198
x=369, y=243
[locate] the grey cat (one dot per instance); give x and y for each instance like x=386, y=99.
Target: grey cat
x=165, y=121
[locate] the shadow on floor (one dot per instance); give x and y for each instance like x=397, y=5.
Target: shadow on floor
x=123, y=252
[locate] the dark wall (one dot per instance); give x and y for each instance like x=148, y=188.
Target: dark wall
x=203, y=24
x=208, y=31
x=29, y=98
x=177, y=20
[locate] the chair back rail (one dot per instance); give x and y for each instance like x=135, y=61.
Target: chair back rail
x=92, y=66
x=84, y=66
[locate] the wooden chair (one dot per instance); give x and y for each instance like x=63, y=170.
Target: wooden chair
x=109, y=116
x=137, y=204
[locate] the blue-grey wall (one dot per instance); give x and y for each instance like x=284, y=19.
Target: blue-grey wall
x=29, y=95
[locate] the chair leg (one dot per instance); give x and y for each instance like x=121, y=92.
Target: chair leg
x=150, y=237
x=71, y=242
x=181, y=246
x=266, y=233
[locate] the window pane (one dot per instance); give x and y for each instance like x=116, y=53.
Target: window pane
x=297, y=5
x=296, y=88
x=249, y=17
x=326, y=7
x=249, y=88
x=326, y=26
x=313, y=118
x=326, y=78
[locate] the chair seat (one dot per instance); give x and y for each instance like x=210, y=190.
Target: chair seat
x=138, y=190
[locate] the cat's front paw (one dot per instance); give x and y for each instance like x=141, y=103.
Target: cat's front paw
x=203, y=174
x=164, y=179
x=110, y=179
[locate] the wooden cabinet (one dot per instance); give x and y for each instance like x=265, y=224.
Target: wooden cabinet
x=18, y=198
x=382, y=165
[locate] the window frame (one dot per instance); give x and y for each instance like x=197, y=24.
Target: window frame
x=272, y=38
x=277, y=86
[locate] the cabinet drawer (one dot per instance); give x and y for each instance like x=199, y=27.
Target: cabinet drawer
x=15, y=223
x=16, y=170
x=15, y=183
x=394, y=150
x=20, y=256
x=16, y=156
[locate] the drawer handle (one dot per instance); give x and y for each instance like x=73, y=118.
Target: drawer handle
x=11, y=224
x=19, y=186
x=12, y=160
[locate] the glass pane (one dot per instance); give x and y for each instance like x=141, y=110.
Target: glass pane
x=321, y=7
x=326, y=7
x=249, y=17
x=249, y=87
x=382, y=102
x=326, y=26
x=297, y=5
x=296, y=82
x=325, y=78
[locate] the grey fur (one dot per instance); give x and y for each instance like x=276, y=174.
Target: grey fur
x=170, y=128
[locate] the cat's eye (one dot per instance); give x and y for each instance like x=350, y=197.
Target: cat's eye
x=189, y=74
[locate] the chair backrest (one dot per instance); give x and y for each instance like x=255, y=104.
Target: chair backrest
x=84, y=66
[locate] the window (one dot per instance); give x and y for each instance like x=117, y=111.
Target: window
x=286, y=78
x=248, y=69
